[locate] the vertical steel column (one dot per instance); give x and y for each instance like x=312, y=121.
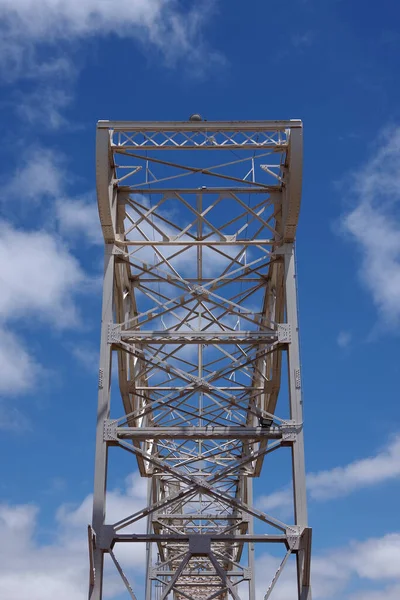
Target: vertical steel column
x=103, y=413
x=250, y=547
x=296, y=413
x=149, y=548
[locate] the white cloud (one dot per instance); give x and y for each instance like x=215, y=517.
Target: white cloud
x=40, y=174
x=341, y=481
x=328, y=578
x=376, y=558
x=41, y=41
x=60, y=566
x=19, y=60
x=391, y=592
x=43, y=107
x=344, y=339
x=335, y=572
x=19, y=372
x=86, y=356
x=374, y=225
x=120, y=503
x=38, y=277
x=79, y=218
x=277, y=502
x=161, y=24
x=39, y=280
x=31, y=570
x=366, y=472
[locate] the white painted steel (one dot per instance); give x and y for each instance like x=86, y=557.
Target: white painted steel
x=199, y=308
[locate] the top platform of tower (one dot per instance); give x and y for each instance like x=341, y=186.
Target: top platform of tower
x=240, y=144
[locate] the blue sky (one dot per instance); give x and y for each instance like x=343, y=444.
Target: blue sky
x=63, y=66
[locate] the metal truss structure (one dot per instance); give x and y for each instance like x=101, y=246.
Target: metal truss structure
x=199, y=307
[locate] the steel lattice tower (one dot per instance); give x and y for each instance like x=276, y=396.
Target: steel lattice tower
x=199, y=308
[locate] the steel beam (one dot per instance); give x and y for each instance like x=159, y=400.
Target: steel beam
x=217, y=433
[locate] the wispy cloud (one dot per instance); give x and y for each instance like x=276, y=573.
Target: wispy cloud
x=19, y=373
x=41, y=42
x=86, y=356
x=366, y=472
x=337, y=572
x=44, y=107
x=31, y=32
x=344, y=339
x=302, y=40
x=39, y=175
x=341, y=481
x=373, y=224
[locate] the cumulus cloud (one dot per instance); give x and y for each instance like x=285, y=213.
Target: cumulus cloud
x=60, y=568
x=39, y=279
x=341, y=481
x=38, y=276
x=79, y=218
x=39, y=282
x=19, y=373
x=376, y=559
x=42, y=176
x=121, y=502
x=39, y=175
x=390, y=592
x=280, y=501
x=27, y=569
x=374, y=225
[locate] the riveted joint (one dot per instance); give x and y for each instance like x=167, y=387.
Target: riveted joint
x=117, y=251
x=290, y=431
x=285, y=249
x=284, y=333
x=110, y=430
x=114, y=333
x=200, y=292
x=247, y=573
x=293, y=535
x=105, y=539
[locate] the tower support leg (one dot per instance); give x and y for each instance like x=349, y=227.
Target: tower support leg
x=296, y=414
x=103, y=413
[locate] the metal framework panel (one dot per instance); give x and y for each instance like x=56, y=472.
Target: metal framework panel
x=199, y=310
